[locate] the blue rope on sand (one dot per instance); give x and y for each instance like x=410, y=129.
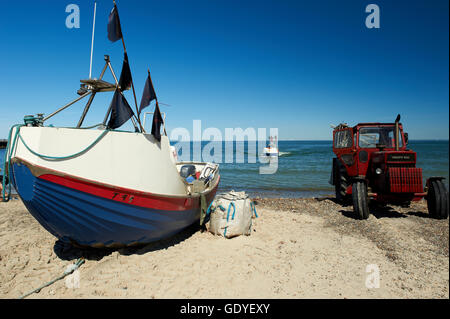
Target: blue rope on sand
x=77, y=265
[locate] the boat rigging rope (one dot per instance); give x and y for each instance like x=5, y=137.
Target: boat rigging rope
x=9, y=151
x=48, y=157
x=69, y=271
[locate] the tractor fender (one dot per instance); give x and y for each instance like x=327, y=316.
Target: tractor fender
x=358, y=178
x=332, y=180
x=434, y=178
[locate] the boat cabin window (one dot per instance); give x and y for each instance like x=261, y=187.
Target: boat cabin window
x=372, y=137
x=343, y=139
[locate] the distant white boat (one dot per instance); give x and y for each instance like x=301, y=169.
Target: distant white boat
x=271, y=149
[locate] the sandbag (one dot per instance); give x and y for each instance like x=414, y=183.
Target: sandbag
x=231, y=214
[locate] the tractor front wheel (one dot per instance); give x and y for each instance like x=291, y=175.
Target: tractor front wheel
x=360, y=200
x=437, y=200
x=341, y=183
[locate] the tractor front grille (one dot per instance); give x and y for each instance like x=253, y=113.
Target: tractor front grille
x=405, y=180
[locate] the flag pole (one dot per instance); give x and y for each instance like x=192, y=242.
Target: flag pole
x=132, y=84
x=92, y=43
x=156, y=99
x=117, y=85
x=134, y=93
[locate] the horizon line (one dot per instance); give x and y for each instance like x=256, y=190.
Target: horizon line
x=306, y=140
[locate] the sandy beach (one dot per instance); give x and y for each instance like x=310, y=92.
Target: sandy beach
x=299, y=248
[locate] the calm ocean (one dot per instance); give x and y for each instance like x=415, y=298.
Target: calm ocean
x=304, y=168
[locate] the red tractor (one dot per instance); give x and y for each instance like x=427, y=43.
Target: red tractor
x=372, y=162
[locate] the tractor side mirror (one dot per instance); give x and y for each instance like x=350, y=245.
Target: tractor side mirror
x=406, y=138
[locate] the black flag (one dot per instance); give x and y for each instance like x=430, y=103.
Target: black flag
x=120, y=111
x=125, y=76
x=148, y=95
x=157, y=120
x=114, y=29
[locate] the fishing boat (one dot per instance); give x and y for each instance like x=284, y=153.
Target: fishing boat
x=271, y=149
x=104, y=187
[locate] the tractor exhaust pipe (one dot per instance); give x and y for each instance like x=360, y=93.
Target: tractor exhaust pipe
x=397, y=133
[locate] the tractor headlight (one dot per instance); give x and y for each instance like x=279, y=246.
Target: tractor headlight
x=378, y=171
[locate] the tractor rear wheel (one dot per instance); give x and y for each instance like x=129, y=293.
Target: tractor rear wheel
x=341, y=183
x=360, y=200
x=437, y=200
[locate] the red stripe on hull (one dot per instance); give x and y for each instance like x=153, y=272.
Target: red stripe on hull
x=128, y=196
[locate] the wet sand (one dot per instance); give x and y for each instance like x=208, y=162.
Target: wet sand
x=299, y=248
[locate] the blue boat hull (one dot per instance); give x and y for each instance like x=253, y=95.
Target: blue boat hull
x=85, y=219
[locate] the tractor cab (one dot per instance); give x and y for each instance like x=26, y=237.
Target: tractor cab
x=373, y=158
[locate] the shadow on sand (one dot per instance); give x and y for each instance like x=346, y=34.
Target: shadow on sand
x=419, y=214
x=67, y=251
x=378, y=211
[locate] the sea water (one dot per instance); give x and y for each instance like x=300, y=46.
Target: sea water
x=304, y=167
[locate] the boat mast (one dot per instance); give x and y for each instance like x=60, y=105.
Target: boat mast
x=92, y=43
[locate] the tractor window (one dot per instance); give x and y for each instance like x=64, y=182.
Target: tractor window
x=343, y=139
x=372, y=137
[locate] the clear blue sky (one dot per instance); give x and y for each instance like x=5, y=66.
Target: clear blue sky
x=295, y=65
